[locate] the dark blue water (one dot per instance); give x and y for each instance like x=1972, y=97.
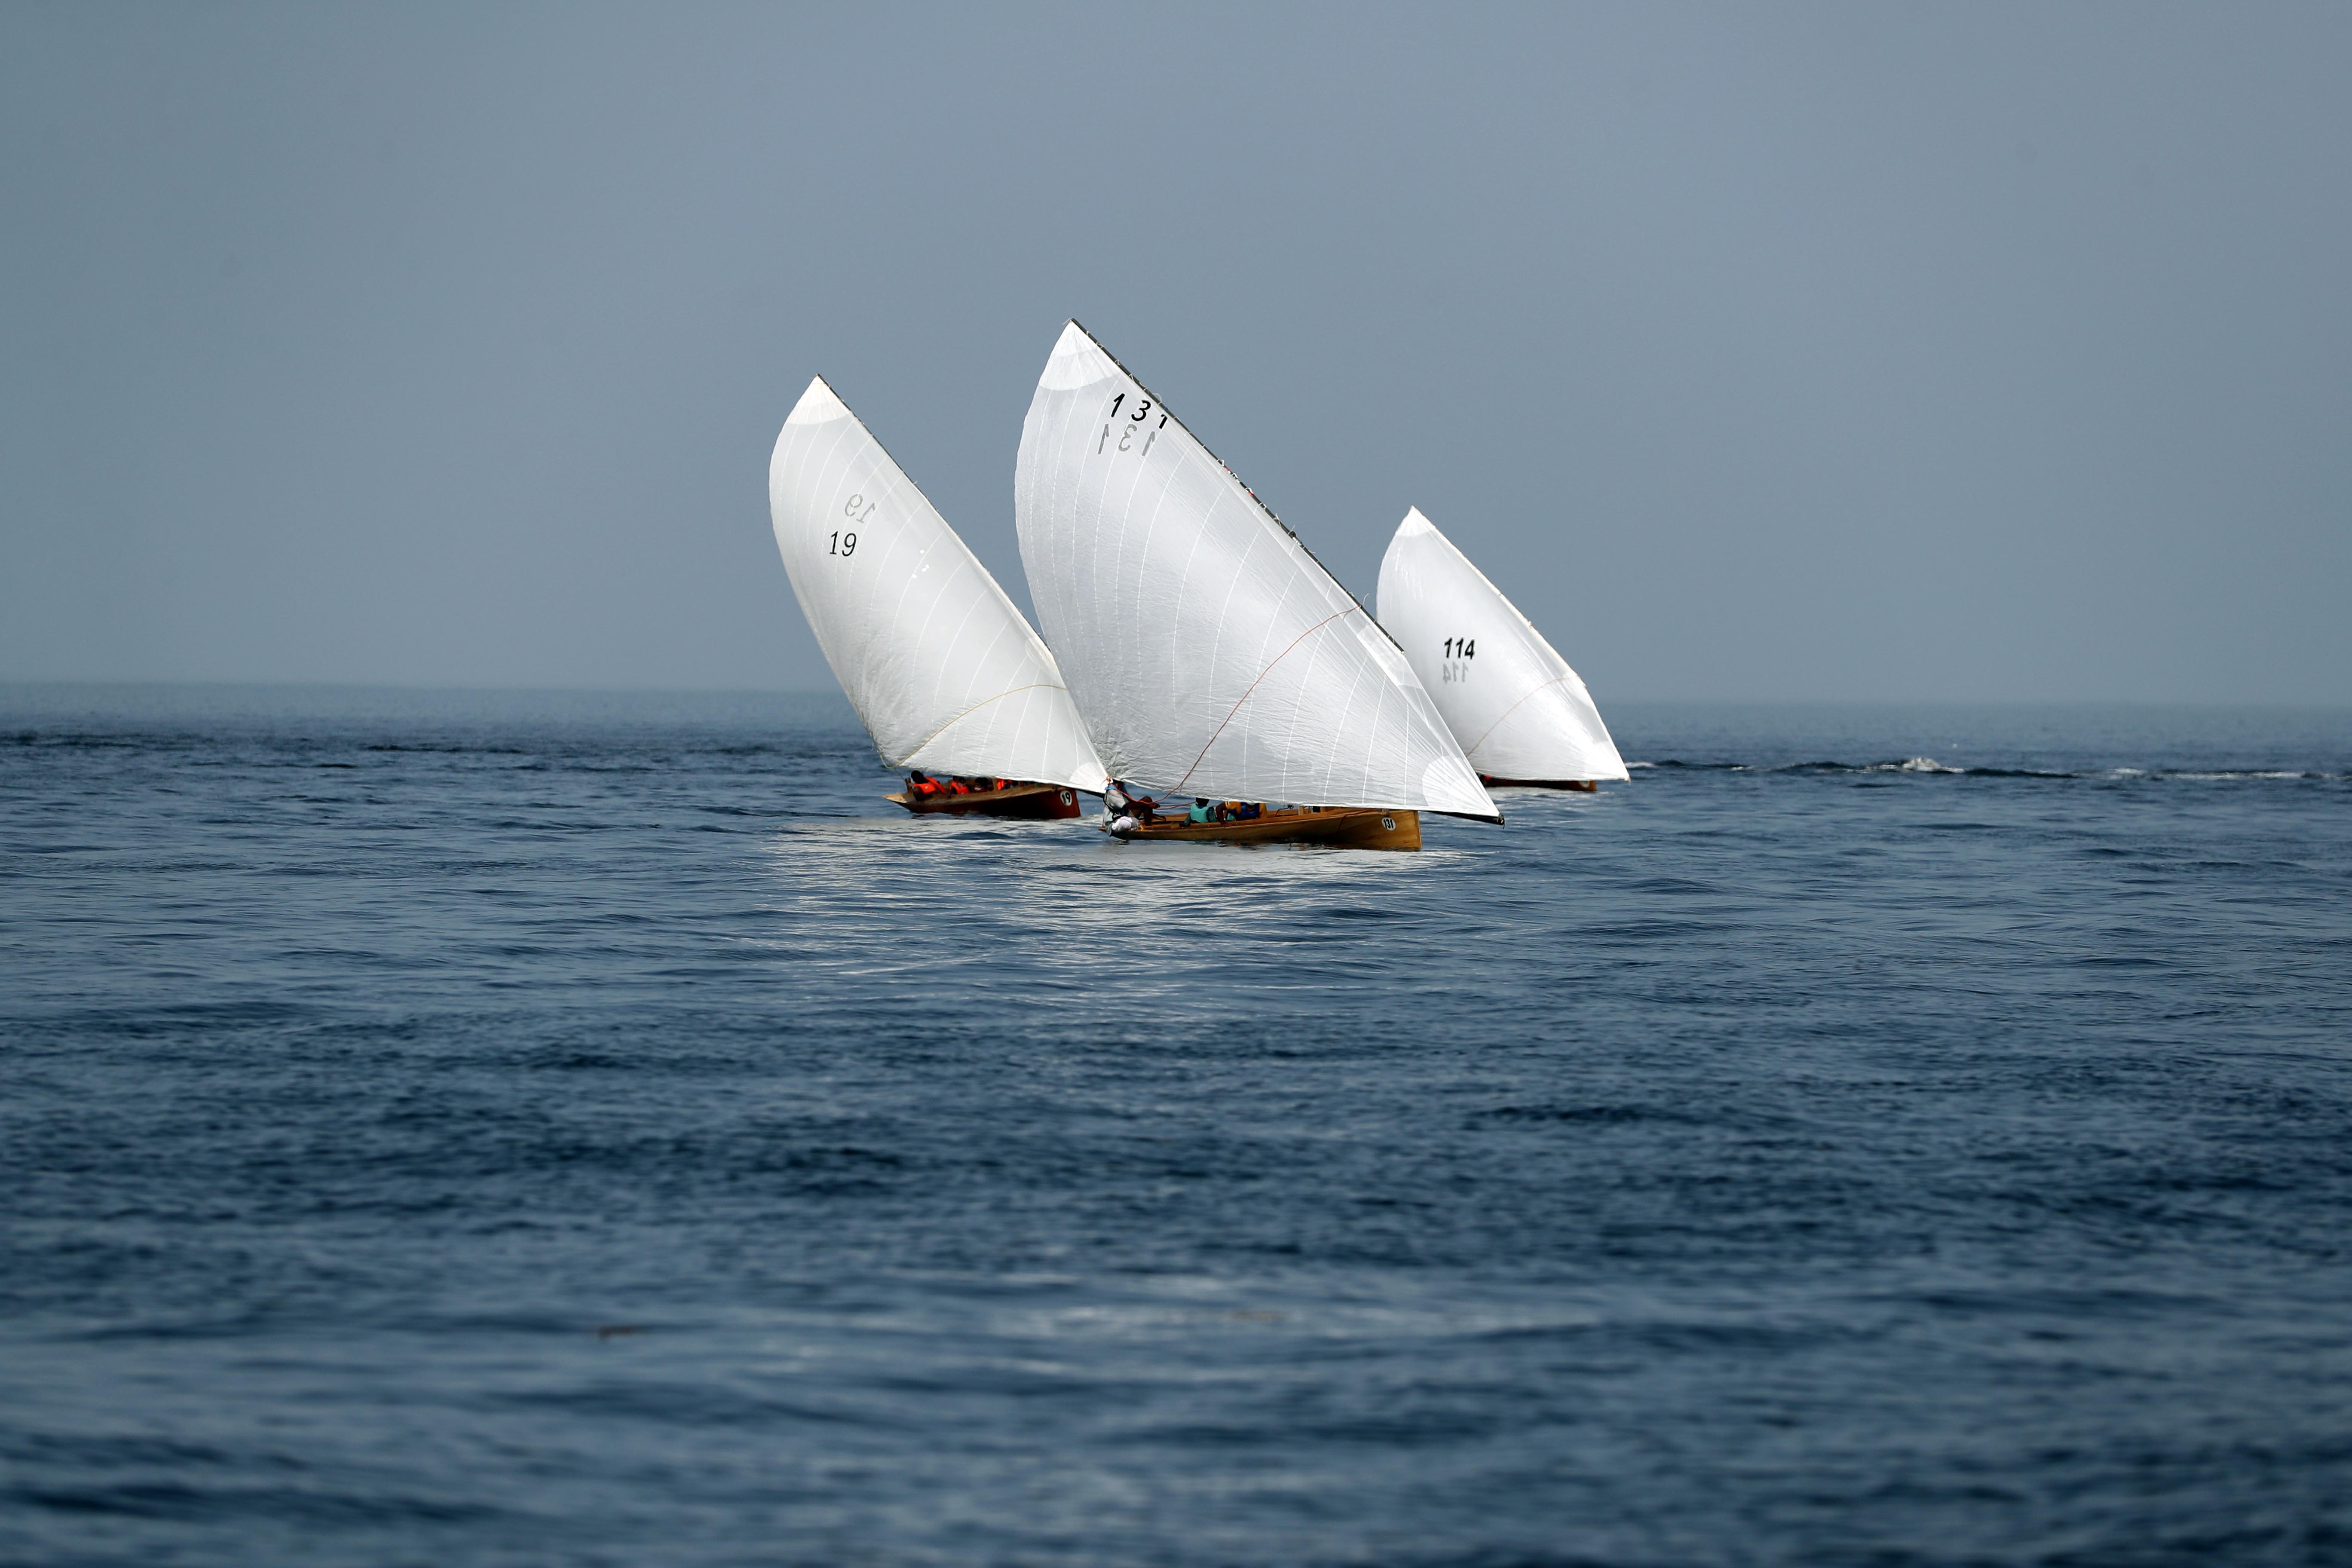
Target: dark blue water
x=569, y=1130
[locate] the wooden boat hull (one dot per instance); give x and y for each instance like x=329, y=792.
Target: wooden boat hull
x=1026, y=800
x=1587, y=787
x=1340, y=827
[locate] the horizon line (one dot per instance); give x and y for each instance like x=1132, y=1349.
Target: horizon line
x=119, y=683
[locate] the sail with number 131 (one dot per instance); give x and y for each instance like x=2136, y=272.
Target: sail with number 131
x=1210, y=654
x=943, y=670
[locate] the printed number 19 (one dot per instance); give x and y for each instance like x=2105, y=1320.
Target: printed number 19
x=847, y=543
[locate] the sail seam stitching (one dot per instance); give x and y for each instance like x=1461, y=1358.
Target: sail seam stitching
x=1514, y=708
x=1033, y=686
x=1244, y=697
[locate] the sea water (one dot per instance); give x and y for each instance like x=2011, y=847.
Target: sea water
x=560, y=1128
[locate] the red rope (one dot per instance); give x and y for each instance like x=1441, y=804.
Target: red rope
x=1262, y=674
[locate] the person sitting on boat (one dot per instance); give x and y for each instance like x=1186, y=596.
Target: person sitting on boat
x=1120, y=800
x=919, y=783
x=1201, y=811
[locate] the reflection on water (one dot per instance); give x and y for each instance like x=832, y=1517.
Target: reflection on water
x=1116, y=934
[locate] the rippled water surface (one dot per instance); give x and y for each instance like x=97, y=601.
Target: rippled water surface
x=555, y=1128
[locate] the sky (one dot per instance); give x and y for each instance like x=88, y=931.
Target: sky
x=1828, y=353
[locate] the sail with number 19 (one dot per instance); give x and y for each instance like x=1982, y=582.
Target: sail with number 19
x=1522, y=715
x=945, y=673
x=1210, y=654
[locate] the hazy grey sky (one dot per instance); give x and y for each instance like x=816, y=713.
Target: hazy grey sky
x=1956, y=352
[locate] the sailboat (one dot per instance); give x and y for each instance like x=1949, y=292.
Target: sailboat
x=1522, y=715
x=945, y=673
x=1209, y=653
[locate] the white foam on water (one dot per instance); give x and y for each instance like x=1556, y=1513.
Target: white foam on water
x=1911, y=765
x=2247, y=774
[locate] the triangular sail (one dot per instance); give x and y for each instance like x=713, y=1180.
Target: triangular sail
x=944, y=671
x=1519, y=711
x=1210, y=653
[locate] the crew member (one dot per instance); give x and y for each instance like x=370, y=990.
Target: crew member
x=1119, y=800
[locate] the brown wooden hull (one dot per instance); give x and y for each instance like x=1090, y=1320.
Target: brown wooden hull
x=1029, y=800
x=1340, y=827
x=1587, y=787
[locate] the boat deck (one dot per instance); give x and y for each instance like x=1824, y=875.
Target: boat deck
x=1340, y=827
x=1025, y=800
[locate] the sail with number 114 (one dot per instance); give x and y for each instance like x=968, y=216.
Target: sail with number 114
x=1522, y=715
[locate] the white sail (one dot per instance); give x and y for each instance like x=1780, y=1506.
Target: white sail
x=1210, y=653
x=1512, y=701
x=944, y=671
